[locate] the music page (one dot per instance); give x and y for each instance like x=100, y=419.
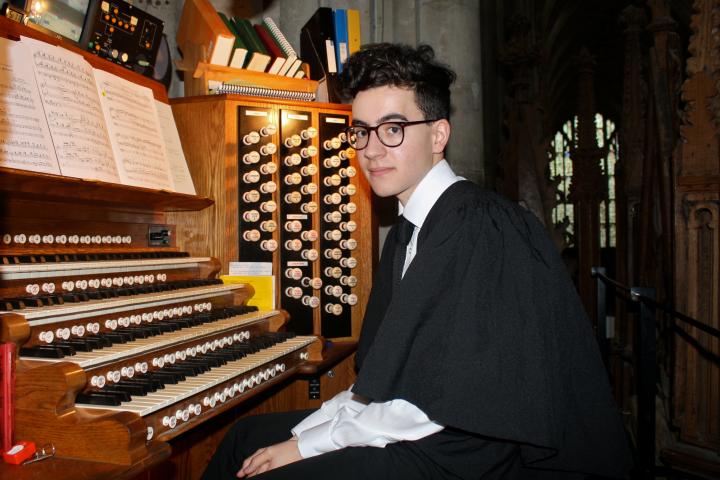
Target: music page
x=25, y=141
x=74, y=115
x=176, y=158
x=135, y=132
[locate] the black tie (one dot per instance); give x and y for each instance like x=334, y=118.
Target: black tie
x=403, y=233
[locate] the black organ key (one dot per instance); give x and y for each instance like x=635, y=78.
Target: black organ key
x=131, y=388
x=96, y=342
x=14, y=303
x=42, y=351
x=126, y=388
x=150, y=384
x=77, y=344
x=166, y=377
x=33, y=302
x=100, y=398
x=187, y=370
x=117, y=337
x=57, y=299
x=134, y=333
x=102, y=340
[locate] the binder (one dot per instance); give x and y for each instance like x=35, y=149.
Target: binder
x=341, y=37
x=316, y=43
x=200, y=25
x=353, y=29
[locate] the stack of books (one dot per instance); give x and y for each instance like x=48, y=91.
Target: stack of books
x=257, y=54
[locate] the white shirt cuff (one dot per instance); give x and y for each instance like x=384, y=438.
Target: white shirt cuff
x=316, y=440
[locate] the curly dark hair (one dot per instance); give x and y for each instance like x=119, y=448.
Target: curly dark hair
x=383, y=64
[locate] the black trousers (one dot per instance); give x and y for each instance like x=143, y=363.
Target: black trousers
x=445, y=455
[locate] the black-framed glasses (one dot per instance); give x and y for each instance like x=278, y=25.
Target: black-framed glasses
x=390, y=134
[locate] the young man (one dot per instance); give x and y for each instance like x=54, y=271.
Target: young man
x=476, y=359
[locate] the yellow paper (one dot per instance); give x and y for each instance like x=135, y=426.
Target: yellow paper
x=264, y=286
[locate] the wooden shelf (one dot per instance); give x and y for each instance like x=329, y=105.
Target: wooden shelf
x=198, y=73
x=249, y=77
x=46, y=187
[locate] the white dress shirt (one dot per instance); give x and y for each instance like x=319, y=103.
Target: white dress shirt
x=349, y=420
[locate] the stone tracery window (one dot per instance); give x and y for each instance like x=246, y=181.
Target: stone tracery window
x=561, y=170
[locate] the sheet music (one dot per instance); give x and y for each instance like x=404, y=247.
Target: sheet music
x=25, y=141
x=72, y=108
x=135, y=133
x=176, y=158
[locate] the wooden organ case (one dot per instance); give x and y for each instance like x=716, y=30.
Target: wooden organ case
x=124, y=341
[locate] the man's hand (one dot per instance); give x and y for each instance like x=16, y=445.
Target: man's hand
x=270, y=457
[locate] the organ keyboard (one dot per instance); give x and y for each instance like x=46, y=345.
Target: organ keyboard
x=134, y=347
x=122, y=345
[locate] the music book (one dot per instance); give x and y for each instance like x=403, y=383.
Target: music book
x=278, y=57
x=259, y=57
x=201, y=25
x=70, y=119
x=292, y=64
x=240, y=50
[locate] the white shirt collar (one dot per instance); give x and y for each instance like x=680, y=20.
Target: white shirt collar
x=434, y=184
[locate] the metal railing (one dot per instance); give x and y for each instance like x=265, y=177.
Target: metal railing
x=644, y=356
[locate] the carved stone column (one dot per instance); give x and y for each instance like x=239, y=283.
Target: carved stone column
x=588, y=185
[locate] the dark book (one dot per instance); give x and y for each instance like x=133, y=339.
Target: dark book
x=278, y=57
x=259, y=58
x=240, y=51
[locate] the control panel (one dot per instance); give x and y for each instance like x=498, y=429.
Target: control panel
x=289, y=197
x=296, y=188
x=123, y=34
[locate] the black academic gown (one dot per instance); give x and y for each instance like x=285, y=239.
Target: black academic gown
x=486, y=334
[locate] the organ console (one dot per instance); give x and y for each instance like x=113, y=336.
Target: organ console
x=124, y=341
